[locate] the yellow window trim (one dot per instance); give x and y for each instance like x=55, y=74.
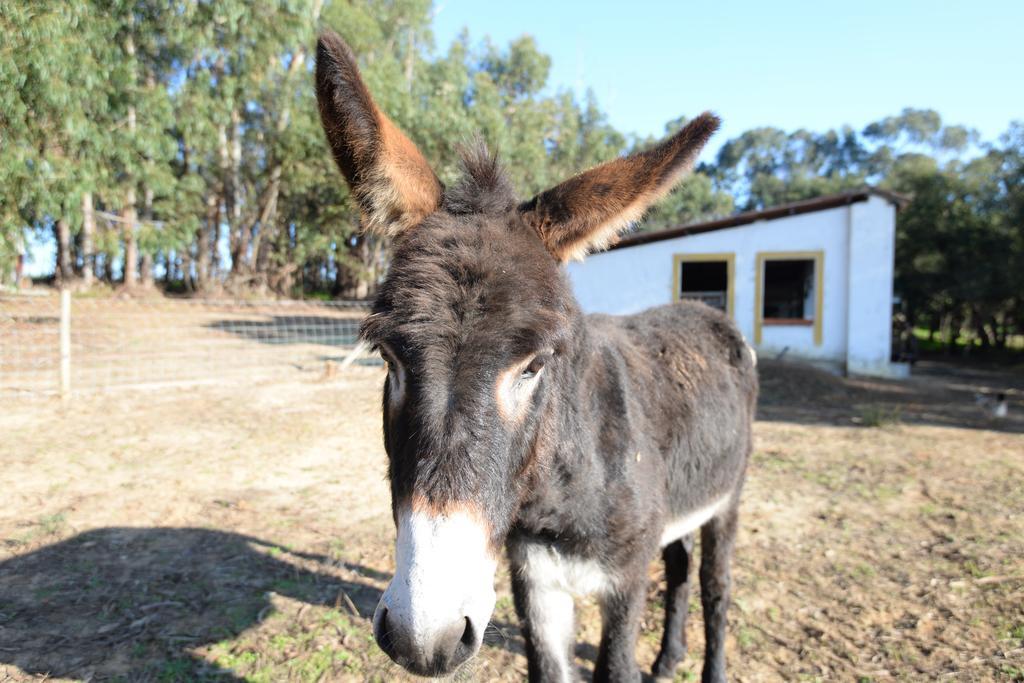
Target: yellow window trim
x=730, y=269
x=819, y=287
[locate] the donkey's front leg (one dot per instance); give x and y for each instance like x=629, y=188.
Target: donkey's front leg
x=548, y=618
x=717, y=538
x=621, y=610
x=678, y=557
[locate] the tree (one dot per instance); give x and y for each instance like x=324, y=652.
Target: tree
x=44, y=158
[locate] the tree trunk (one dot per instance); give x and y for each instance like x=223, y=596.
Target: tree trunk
x=62, y=231
x=88, y=238
x=131, y=246
x=214, y=246
x=229, y=146
x=347, y=277
x=952, y=332
x=129, y=212
x=999, y=330
x=203, y=253
x=168, y=266
x=186, y=270
x=108, y=268
x=146, y=271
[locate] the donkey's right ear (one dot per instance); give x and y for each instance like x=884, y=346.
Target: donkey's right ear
x=587, y=212
x=391, y=181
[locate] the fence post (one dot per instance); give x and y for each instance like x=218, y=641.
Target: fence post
x=65, y=343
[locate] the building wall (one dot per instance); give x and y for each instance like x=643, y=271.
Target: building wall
x=869, y=313
x=635, y=278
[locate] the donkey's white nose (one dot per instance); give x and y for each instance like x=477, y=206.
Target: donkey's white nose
x=427, y=653
x=432, y=616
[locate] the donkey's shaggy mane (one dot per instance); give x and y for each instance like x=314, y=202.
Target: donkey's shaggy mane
x=484, y=186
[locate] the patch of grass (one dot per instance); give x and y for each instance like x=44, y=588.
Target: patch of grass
x=241, y=660
x=1014, y=342
x=828, y=479
x=52, y=524
x=295, y=588
x=47, y=525
x=176, y=670
x=778, y=459
x=43, y=593
x=900, y=652
x=317, y=664
x=877, y=415
x=241, y=617
x=282, y=641
x=887, y=492
x=863, y=571
x=747, y=637
x=1013, y=673
x=336, y=549
x=974, y=570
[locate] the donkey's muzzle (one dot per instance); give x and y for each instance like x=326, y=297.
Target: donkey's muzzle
x=434, y=653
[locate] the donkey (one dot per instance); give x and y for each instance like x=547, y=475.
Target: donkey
x=582, y=444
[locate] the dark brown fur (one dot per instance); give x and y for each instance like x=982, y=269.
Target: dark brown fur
x=392, y=182
x=636, y=421
x=588, y=211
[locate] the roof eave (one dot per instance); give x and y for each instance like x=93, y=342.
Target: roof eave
x=773, y=213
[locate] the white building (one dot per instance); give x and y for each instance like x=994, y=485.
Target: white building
x=810, y=280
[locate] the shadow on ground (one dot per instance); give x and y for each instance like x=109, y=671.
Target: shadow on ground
x=277, y=330
x=131, y=602
x=939, y=394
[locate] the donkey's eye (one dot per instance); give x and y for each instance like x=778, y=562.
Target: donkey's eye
x=389, y=359
x=536, y=365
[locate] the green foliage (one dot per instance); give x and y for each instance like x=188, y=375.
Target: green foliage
x=193, y=127
x=959, y=243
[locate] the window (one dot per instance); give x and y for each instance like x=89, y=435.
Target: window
x=788, y=291
x=706, y=278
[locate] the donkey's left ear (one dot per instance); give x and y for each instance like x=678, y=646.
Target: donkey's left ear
x=392, y=182
x=587, y=212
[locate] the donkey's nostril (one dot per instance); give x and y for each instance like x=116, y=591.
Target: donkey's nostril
x=469, y=635
x=385, y=634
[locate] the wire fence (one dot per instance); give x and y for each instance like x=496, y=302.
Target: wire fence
x=110, y=342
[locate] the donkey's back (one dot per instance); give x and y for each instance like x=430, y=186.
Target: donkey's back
x=694, y=383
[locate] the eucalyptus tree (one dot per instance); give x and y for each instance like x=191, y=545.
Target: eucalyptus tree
x=47, y=107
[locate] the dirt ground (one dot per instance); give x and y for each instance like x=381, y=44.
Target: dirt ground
x=243, y=532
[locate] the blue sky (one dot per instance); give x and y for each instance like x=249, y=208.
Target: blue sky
x=815, y=65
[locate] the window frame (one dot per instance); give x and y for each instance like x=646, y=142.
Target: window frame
x=818, y=258
x=729, y=257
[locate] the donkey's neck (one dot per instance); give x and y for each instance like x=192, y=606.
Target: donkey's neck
x=588, y=419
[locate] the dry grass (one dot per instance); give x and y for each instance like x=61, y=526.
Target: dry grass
x=245, y=534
